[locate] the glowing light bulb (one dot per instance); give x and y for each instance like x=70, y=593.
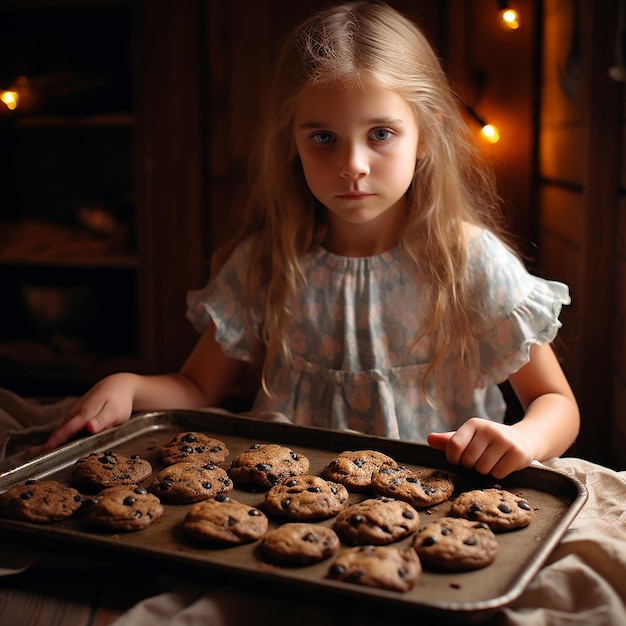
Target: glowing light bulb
x=10, y=99
x=510, y=18
x=491, y=133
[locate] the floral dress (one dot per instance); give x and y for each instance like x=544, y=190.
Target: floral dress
x=354, y=322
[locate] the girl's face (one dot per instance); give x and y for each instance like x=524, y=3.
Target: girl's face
x=358, y=149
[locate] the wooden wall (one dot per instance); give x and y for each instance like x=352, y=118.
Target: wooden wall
x=578, y=177
x=617, y=432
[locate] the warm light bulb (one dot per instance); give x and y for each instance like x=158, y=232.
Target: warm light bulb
x=10, y=99
x=510, y=18
x=491, y=133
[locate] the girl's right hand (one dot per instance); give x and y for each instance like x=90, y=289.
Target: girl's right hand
x=106, y=404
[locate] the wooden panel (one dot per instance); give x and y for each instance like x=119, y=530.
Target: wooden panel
x=561, y=211
x=617, y=458
x=620, y=231
x=619, y=319
x=562, y=75
x=560, y=261
x=171, y=149
x=623, y=154
x=561, y=154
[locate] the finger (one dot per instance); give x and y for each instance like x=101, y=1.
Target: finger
x=460, y=445
x=489, y=459
x=439, y=441
x=64, y=432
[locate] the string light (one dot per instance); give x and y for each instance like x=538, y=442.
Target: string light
x=488, y=131
x=10, y=99
x=509, y=17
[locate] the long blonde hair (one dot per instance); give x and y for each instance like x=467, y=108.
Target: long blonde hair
x=368, y=42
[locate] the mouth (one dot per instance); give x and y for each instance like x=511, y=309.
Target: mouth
x=355, y=195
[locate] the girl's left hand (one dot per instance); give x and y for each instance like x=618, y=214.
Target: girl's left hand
x=485, y=446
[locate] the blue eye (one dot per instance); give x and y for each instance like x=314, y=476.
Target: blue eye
x=323, y=138
x=381, y=134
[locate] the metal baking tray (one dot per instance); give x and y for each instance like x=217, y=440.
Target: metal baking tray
x=471, y=596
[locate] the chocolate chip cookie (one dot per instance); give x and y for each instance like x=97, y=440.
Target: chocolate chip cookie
x=383, y=567
x=376, y=521
x=498, y=508
x=123, y=508
x=421, y=488
x=455, y=543
x=222, y=520
x=41, y=501
x=267, y=464
x=187, y=482
x=194, y=447
x=306, y=497
x=354, y=469
x=300, y=543
x=107, y=469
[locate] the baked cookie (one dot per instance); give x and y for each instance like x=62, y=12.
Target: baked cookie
x=41, y=501
x=267, y=464
x=306, y=497
x=383, y=567
x=107, y=469
x=354, y=469
x=187, y=482
x=194, y=447
x=498, y=508
x=376, y=521
x=122, y=508
x=300, y=543
x=421, y=488
x=222, y=520
x=455, y=543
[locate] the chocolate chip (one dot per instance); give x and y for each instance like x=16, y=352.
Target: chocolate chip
x=140, y=490
x=310, y=537
x=231, y=521
x=291, y=483
x=408, y=514
x=137, y=514
x=285, y=503
x=129, y=501
x=403, y=572
x=26, y=495
x=524, y=505
x=314, y=489
x=336, y=570
x=186, y=449
x=263, y=467
x=356, y=520
x=207, y=485
x=222, y=498
x=505, y=508
x=189, y=438
x=30, y=481
x=359, y=462
x=431, y=540
x=254, y=512
x=472, y=541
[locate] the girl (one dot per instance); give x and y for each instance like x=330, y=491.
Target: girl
x=369, y=284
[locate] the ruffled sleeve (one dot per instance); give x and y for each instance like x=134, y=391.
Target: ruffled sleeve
x=221, y=301
x=520, y=309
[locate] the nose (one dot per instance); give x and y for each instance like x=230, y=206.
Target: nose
x=354, y=163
